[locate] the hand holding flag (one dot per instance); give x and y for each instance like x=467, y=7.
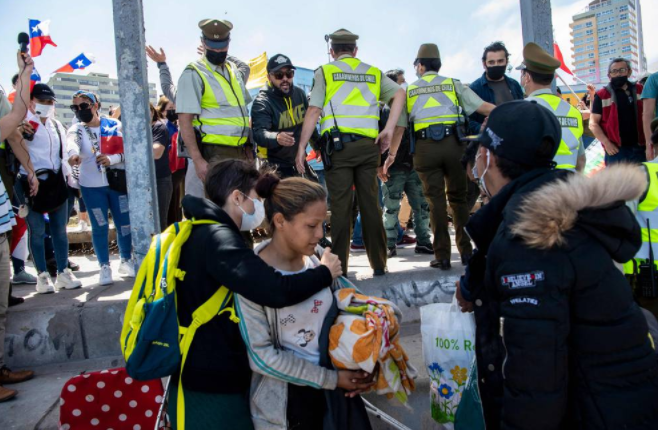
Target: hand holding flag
x=78, y=63
x=39, y=36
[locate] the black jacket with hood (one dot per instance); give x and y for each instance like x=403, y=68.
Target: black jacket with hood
x=216, y=255
x=273, y=112
x=561, y=343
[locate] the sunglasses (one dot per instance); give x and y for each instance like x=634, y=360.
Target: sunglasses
x=81, y=106
x=279, y=75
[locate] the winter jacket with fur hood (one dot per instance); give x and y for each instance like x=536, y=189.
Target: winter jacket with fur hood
x=562, y=344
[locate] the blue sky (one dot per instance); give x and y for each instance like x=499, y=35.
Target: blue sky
x=390, y=31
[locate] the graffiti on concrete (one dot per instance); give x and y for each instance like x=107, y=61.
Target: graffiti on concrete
x=61, y=334
x=416, y=294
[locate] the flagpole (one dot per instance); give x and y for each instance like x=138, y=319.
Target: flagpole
x=568, y=86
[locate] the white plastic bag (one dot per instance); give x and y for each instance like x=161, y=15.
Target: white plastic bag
x=448, y=347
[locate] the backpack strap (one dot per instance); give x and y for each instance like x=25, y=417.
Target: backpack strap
x=216, y=305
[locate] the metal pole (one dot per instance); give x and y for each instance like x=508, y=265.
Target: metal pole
x=537, y=24
x=136, y=121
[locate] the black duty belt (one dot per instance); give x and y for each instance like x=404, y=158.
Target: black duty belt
x=351, y=137
x=425, y=134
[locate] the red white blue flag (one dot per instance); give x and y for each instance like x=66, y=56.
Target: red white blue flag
x=78, y=63
x=39, y=36
x=34, y=78
x=111, y=137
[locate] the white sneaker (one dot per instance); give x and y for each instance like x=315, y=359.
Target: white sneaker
x=105, y=277
x=127, y=269
x=84, y=226
x=44, y=284
x=67, y=281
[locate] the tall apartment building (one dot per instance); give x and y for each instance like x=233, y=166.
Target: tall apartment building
x=65, y=84
x=607, y=29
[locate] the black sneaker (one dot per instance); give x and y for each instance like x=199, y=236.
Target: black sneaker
x=392, y=252
x=465, y=259
x=424, y=249
x=379, y=272
x=74, y=267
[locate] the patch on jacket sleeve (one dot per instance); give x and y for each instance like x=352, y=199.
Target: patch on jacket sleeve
x=522, y=280
x=524, y=301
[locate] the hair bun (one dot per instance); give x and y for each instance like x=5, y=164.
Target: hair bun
x=266, y=185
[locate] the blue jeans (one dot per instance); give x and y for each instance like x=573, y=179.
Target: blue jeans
x=36, y=226
x=98, y=201
x=635, y=154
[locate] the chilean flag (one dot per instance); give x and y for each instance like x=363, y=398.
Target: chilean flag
x=111, y=137
x=78, y=63
x=34, y=78
x=558, y=56
x=39, y=36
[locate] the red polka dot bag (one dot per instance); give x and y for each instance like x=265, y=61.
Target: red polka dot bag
x=110, y=400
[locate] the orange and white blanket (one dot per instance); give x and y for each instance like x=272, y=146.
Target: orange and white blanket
x=366, y=336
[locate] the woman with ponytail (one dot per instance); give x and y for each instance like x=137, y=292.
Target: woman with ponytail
x=294, y=385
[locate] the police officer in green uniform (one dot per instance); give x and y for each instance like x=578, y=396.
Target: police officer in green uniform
x=437, y=106
x=537, y=74
x=346, y=92
x=642, y=277
x=212, y=98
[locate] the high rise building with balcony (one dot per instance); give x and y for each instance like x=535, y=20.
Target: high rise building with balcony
x=607, y=29
x=107, y=89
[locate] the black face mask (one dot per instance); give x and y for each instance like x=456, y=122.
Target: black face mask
x=215, y=57
x=172, y=116
x=619, y=81
x=496, y=72
x=84, y=115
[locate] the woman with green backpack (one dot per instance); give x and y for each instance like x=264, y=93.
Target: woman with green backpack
x=216, y=376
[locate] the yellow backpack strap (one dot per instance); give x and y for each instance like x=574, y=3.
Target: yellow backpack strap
x=212, y=307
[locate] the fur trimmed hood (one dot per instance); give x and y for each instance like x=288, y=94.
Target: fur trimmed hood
x=552, y=210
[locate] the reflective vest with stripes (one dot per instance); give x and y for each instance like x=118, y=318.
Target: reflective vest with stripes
x=432, y=100
x=224, y=118
x=571, y=122
x=353, y=88
x=647, y=210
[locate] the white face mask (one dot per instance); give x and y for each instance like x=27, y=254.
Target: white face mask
x=44, y=111
x=254, y=220
x=404, y=85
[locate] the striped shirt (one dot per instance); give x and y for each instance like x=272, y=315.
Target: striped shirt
x=7, y=219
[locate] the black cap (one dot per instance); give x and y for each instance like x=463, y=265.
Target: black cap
x=278, y=62
x=516, y=129
x=42, y=92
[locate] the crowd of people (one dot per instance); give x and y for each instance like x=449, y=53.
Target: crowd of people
x=561, y=339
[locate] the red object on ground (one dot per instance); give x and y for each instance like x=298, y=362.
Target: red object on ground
x=109, y=399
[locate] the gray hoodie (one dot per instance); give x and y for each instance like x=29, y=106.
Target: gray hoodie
x=274, y=367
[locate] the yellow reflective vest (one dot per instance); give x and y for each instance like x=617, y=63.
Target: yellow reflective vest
x=224, y=118
x=571, y=121
x=352, y=97
x=647, y=210
x=432, y=100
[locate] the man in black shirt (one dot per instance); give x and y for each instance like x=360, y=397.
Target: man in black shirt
x=277, y=116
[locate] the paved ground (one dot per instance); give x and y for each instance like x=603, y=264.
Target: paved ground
x=63, y=334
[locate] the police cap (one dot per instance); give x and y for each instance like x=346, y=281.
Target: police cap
x=537, y=60
x=428, y=50
x=343, y=36
x=216, y=32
